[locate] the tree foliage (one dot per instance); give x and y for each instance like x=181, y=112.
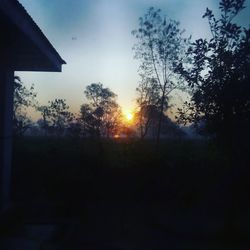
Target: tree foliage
x=44, y=123
x=218, y=76
x=56, y=117
x=147, y=100
x=101, y=114
x=23, y=98
x=159, y=48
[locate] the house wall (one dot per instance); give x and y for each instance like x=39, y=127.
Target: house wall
x=6, y=115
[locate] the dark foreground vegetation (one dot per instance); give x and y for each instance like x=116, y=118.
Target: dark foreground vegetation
x=58, y=167
x=128, y=194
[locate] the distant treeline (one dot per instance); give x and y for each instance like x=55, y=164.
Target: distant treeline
x=100, y=116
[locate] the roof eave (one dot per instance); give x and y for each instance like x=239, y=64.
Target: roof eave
x=19, y=16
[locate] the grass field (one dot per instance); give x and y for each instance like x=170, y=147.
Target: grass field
x=126, y=193
x=52, y=168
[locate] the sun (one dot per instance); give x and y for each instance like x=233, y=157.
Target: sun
x=128, y=115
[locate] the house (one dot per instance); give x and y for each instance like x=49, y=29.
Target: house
x=23, y=47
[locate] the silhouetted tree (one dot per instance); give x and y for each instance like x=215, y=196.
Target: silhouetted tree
x=148, y=97
x=169, y=128
x=159, y=47
x=59, y=115
x=90, y=120
x=112, y=120
x=100, y=116
x=44, y=122
x=218, y=76
x=23, y=99
x=75, y=128
x=56, y=117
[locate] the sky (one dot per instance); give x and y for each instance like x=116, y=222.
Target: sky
x=94, y=38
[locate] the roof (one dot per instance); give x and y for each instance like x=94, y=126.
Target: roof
x=24, y=45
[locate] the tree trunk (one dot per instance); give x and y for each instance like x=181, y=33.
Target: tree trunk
x=160, y=119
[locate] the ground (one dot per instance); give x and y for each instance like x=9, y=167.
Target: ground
x=74, y=194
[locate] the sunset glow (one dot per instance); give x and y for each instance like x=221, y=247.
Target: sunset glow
x=128, y=116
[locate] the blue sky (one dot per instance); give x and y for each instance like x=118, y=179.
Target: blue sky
x=94, y=38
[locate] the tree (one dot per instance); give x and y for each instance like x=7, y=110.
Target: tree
x=100, y=116
x=75, y=128
x=56, y=117
x=218, y=77
x=23, y=99
x=169, y=128
x=112, y=120
x=160, y=48
x=44, y=121
x=148, y=97
x=90, y=120
x=59, y=115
